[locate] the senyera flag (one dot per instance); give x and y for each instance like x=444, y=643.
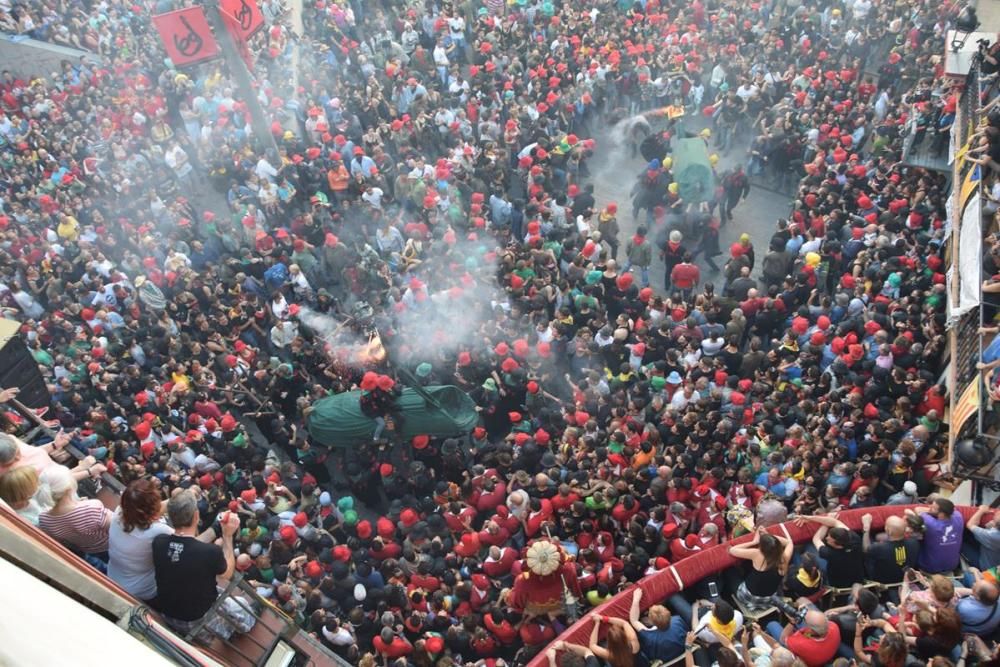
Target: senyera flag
x=186, y=36
x=243, y=18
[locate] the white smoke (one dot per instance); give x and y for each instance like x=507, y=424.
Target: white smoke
x=457, y=305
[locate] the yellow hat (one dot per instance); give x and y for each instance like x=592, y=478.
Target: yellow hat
x=673, y=187
x=668, y=162
x=812, y=258
x=713, y=159
x=707, y=132
x=288, y=136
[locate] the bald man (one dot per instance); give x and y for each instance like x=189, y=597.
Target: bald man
x=815, y=641
x=886, y=560
x=978, y=606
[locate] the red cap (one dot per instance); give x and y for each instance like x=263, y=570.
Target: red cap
x=288, y=534
x=509, y=365
x=420, y=441
x=300, y=520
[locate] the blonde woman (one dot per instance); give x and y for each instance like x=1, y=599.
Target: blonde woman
x=18, y=488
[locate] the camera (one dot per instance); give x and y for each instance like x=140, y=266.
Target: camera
x=796, y=614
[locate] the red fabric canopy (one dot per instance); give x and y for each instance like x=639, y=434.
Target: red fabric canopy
x=659, y=586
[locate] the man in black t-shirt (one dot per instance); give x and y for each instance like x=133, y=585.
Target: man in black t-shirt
x=840, y=548
x=887, y=561
x=187, y=566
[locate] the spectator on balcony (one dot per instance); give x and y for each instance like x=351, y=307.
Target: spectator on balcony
x=887, y=560
x=940, y=633
x=136, y=522
x=15, y=453
x=19, y=490
x=977, y=606
x=815, y=641
x=81, y=524
x=805, y=580
x=891, y=650
x=188, y=567
x=719, y=624
x=840, y=551
x=623, y=642
x=769, y=557
x=983, y=551
x=942, y=543
x=664, y=640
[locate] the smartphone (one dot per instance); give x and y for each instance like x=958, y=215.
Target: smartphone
x=713, y=590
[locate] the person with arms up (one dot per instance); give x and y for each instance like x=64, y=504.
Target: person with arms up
x=840, y=548
x=188, y=568
x=664, y=640
x=983, y=551
x=769, y=557
x=942, y=543
x=571, y=655
x=887, y=561
x=623, y=642
x=136, y=522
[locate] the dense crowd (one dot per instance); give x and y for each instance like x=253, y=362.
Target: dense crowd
x=432, y=183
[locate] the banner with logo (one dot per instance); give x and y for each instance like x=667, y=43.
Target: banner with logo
x=243, y=18
x=186, y=36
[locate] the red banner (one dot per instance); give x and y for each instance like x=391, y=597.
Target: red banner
x=186, y=36
x=243, y=18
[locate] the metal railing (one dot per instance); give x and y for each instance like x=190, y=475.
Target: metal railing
x=41, y=429
x=243, y=594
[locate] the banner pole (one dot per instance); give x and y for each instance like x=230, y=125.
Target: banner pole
x=241, y=77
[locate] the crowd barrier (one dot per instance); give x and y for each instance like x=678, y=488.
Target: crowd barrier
x=659, y=586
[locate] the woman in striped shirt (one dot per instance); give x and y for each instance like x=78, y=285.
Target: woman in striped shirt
x=81, y=524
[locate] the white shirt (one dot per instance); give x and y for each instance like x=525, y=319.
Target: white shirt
x=265, y=171
x=745, y=92
x=339, y=638
x=374, y=197
x=131, y=562
x=440, y=56
x=177, y=159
